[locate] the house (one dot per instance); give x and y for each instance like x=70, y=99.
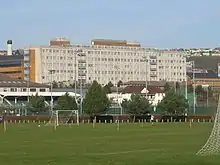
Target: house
x=154, y=94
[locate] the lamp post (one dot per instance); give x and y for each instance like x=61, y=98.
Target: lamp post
x=194, y=87
x=186, y=90
x=28, y=88
x=51, y=88
x=75, y=54
x=81, y=68
x=116, y=83
x=146, y=70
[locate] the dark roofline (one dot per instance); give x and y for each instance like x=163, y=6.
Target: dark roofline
x=8, y=82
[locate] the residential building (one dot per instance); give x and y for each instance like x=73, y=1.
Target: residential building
x=154, y=94
x=104, y=61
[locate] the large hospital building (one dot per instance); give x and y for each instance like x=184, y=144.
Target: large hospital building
x=104, y=61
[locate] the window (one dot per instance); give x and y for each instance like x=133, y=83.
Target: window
x=5, y=90
x=13, y=89
x=24, y=90
x=42, y=90
x=32, y=90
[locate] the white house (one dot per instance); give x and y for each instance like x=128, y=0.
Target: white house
x=154, y=94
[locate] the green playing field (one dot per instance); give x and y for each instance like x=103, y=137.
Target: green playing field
x=161, y=144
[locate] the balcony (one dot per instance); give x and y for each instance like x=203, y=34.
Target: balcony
x=81, y=61
x=153, y=69
x=153, y=63
x=153, y=57
x=81, y=74
x=81, y=54
x=82, y=67
x=153, y=75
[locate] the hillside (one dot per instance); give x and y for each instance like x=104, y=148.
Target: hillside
x=206, y=62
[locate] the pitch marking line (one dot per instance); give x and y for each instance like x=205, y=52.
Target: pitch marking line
x=121, y=152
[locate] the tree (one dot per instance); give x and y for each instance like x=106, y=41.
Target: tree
x=178, y=87
x=137, y=105
x=166, y=87
x=173, y=103
x=37, y=104
x=199, y=90
x=210, y=92
x=110, y=84
x=107, y=89
x=96, y=100
x=190, y=88
x=66, y=102
x=55, y=84
x=119, y=83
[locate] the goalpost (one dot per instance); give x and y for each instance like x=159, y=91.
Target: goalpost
x=66, y=117
x=212, y=146
x=63, y=117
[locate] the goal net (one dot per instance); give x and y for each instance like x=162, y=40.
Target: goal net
x=67, y=117
x=63, y=117
x=212, y=146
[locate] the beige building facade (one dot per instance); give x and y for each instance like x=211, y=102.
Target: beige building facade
x=104, y=61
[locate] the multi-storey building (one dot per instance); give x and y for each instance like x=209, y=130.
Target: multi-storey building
x=13, y=65
x=104, y=61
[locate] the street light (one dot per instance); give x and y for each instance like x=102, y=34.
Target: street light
x=194, y=87
x=51, y=72
x=80, y=53
x=145, y=58
x=117, y=68
x=28, y=84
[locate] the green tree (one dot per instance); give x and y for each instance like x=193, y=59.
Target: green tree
x=55, y=84
x=190, y=88
x=37, y=104
x=166, y=87
x=110, y=84
x=199, y=90
x=66, y=102
x=177, y=87
x=107, y=89
x=210, y=92
x=173, y=103
x=137, y=105
x=119, y=83
x=96, y=100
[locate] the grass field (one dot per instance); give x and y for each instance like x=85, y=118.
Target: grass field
x=161, y=144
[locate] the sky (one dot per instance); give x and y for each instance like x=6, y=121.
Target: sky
x=153, y=23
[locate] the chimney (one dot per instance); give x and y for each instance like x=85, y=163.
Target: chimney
x=9, y=44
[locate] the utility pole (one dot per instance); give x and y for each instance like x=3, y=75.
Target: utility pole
x=51, y=72
x=81, y=73
x=146, y=70
x=194, y=88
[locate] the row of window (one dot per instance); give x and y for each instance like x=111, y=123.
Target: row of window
x=115, y=59
x=136, y=72
x=106, y=52
x=23, y=90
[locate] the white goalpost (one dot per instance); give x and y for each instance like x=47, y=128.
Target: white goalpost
x=63, y=117
x=67, y=117
x=212, y=146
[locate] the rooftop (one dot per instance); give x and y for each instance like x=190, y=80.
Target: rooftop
x=139, y=89
x=6, y=81
x=205, y=74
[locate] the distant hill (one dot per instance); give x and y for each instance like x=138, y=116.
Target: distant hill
x=206, y=62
